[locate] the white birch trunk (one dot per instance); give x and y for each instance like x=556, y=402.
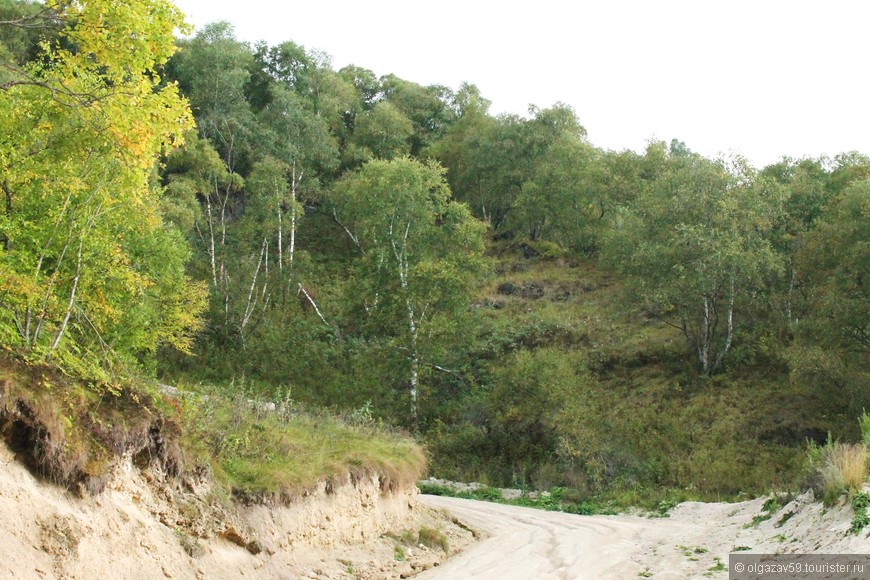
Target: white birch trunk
x=72, y=298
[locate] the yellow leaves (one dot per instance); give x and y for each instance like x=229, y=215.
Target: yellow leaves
x=122, y=38
x=16, y=288
x=183, y=315
x=77, y=150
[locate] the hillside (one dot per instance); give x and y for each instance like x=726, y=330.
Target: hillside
x=252, y=279
x=589, y=394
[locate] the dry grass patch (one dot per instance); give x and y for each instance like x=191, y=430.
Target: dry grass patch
x=840, y=468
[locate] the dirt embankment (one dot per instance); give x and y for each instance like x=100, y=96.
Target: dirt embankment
x=144, y=527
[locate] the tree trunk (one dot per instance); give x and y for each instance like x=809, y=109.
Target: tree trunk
x=72, y=298
x=294, y=184
x=4, y=239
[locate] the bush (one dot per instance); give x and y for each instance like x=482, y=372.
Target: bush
x=864, y=422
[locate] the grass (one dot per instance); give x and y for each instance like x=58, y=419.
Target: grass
x=262, y=454
x=556, y=499
x=839, y=468
x=643, y=420
x=72, y=433
x=433, y=539
x=429, y=537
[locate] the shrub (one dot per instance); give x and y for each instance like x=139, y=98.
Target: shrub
x=860, y=503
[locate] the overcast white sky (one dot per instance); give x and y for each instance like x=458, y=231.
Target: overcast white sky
x=764, y=78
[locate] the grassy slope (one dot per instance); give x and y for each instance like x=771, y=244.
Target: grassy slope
x=646, y=422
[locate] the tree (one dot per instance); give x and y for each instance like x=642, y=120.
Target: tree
x=695, y=246
x=85, y=252
x=382, y=133
x=301, y=141
x=568, y=197
x=419, y=248
x=426, y=107
x=836, y=265
x=489, y=160
x=213, y=70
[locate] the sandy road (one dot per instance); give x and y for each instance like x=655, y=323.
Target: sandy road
x=693, y=541
x=526, y=543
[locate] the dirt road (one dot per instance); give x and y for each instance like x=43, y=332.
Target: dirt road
x=529, y=543
x=693, y=542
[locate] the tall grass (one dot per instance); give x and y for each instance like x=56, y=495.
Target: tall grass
x=286, y=450
x=840, y=468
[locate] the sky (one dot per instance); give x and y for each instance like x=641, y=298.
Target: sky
x=760, y=78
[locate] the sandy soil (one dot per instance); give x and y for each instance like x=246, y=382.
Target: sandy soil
x=142, y=528
x=690, y=543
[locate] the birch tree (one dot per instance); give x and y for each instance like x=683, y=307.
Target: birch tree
x=695, y=248
x=420, y=249
x=300, y=149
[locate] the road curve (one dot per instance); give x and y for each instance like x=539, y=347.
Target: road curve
x=527, y=543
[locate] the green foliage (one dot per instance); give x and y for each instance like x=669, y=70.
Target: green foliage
x=419, y=250
x=864, y=424
x=557, y=499
x=860, y=503
x=694, y=247
x=554, y=372
x=666, y=505
x=258, y=452
x=834, y=261
x=91, y=273
x=383, y=133
x=567, y=198
x=213, y=69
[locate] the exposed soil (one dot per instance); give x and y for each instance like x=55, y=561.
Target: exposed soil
x=145, y=526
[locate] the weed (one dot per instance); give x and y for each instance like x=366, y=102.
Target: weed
x=771, y=505
x=665, y=506
x=741, y=549
x=719, y=566
x=757, y=519
x=840, y=467
x=785, y=517
x=432, y=538
x=860, y=503
x=399, y=553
